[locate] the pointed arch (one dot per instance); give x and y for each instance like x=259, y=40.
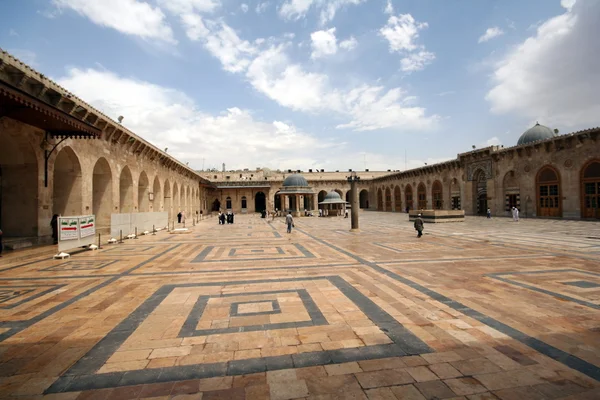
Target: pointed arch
x=143, y=190
x=422, y=196
x=437, y=195
x=408, y=197
x=397, y=199
x=157, y=197
x=590, y=189
x=102, y=193
x=388, y=199
x=379, y=200
x=549, y=201
x=68, y=190
x=125, y=191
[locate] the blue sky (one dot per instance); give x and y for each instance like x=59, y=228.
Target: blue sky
x=319, y=83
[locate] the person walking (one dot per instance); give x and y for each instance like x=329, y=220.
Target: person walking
x=54, y=225
x=489, y=213
x=419, y=226
x=289, y=220
x=201, y=214
x=516, y=216
x=179, y=217
x=182, y=217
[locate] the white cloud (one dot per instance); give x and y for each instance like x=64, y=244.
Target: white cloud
x=389, y=8
x=261, y=7
x=568, y=4
x=492, y=142
x=349, y=44
x=490, y=33
x=189, y=6
x=297, y=9
x=12, y=32
x=416, y=61
x=244, y=8
x=446, y=93
x=553, y=75
x=401, y=32
x=368, y=107
x=131, y=17
x=169, y=118
x=323, y=43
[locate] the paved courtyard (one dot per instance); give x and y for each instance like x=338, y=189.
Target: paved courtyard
x=484, y=309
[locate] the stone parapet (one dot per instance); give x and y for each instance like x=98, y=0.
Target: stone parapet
x=438, y=216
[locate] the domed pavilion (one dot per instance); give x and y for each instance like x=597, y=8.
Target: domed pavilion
x=333, y=203
x=535, y=134
x=295, y=195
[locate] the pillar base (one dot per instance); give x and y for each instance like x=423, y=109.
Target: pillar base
x=355, y=230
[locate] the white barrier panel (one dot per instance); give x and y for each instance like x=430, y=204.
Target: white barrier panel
x=76, y=231
x=143, y=221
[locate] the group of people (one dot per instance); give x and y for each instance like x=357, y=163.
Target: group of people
x=225, y=218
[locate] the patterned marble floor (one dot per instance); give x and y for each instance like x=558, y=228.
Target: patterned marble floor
x=485, y=309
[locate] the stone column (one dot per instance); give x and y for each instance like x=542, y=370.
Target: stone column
x=354, y=205
x=297, y=205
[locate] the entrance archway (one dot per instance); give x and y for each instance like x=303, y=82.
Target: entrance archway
x=102, y=195
x=379, y=200
x=168, y=202
x=277, y=201
x=143, y=190
x=321, y=197
x=156, y=195
x=455, y=194
x=216, y=205
x=421, y=196
x=228, y=203
x=512, y=197
x=126, y=191
x=364, y=198
x=548, y=191
x=437, y=195
x=67, y=199
x=590, y=190
x=388, y=199
x=176, y=200
x=348, y=195
x=408, y=195
x=260, y=202
x=480, y=193
x=18, y=187
x=397, y=199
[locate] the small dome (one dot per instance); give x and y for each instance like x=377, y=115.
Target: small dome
x=295, y=180
x=538, y=132
x=333, y=195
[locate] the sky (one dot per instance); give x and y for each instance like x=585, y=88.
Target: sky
x=332, y=84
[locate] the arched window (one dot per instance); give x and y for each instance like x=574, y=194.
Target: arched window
x=408, y=194
x=244, y=203
x=422, y=196
x=228, y=203
x=388, y=199
x=397, y=199
x=590, y=190
x=437, y=196
x=548, y=192
x=379, y=200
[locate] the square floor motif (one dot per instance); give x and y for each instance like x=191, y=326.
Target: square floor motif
x=225, y=333
x=249, y=308
x=81, y=265
x=12, y=296
x=252, y=253
x=582, y=284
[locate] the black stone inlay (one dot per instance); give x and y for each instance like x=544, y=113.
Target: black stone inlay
x=582, y=284
x=234, y=309
x=78, y=377
x=499, y=277
x=81, y=265
x=201, y=257
x=189, y=326
x=10, y=294
x=561, y=356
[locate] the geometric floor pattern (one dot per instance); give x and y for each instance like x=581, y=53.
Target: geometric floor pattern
x=485, y=309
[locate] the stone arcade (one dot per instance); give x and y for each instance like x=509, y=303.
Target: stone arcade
x=59, y=155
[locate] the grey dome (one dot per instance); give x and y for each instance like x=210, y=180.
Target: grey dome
x=295, y=180
x=333, y=195
x=538, y=132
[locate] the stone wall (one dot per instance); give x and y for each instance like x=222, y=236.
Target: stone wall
x=85, y=176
